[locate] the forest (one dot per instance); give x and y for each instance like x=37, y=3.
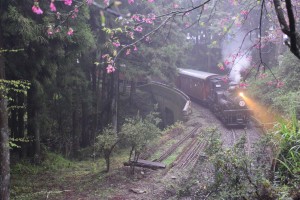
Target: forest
x=71, y=107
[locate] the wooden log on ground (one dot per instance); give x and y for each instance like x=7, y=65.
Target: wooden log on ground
x=146, y=164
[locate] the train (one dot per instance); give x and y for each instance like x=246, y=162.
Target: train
x=225, y=100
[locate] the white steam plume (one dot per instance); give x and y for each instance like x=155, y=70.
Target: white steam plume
x=234, y=55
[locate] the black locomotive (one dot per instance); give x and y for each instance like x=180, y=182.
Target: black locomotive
x=223, y=99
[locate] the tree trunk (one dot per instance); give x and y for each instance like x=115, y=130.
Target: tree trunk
x=132, y=90
x=21, y=124
x=85, y=134
x=107, y=159
x=4, y=136
x=33, y=123
x=76, y=127
x=115, y=101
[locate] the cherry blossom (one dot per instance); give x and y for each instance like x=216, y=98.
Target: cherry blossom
x=70, y=31
x=106, y=2
x=105, y=56
x=68, y=2
x=225, y=79
x=52, y=6
x=50, y=30
x=221, y=66
x=244, y=12
x=110, y=69
x=138, y=29
x=128, y=51
x=279, y=84
x=89, y=2
x=130, y=34
x=262, y=76
x=227, y=62
x=130, y=1
x=116, y=44
x=243, y=85
x=36, y=9
x=136, y=18
x=135, y=48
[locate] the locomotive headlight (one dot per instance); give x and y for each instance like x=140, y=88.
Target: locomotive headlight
x=241, y=94
x=242, y=103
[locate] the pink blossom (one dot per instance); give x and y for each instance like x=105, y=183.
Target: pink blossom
x=57, y=30
x=116, y=44
x=176, y=5
x=89, y=2
x=37, y=10
x=249, y=58
x=52, y=7
x=225, y=79
x=106, y=2
x=70, y=31
x=110, y=69
x=270, y=83
x=279, y=84
x=152, y=16
x=128, y=51
x=226, y=62
x=105, y=55
x=138, y=29
x=50, y=30
x=68, y=2
x=149, y=21
x=243, y=85
x=131, y=35
x=262, y=76
x=58, y=15
x=147, y=39
x=150, y=1
x=74, y=15
x=135, y=48
x=244, y=12
x=136, y=18
x=221, y=66
x=130, y=1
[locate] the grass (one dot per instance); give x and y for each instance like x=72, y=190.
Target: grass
x=57, y=177
x=173, y=156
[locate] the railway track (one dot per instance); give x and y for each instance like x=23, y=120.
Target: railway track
x=171, y=150
x=192, y=155
x=233, y=137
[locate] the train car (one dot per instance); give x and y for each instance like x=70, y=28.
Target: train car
x=223, y=99
x=195, y=83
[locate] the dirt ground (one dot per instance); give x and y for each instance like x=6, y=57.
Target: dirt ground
x=146, y=184
x=169, y=182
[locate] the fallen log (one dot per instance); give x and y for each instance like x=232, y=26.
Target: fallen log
x=146, y=164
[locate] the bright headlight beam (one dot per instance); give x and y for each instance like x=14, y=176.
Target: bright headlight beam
x=241, y=94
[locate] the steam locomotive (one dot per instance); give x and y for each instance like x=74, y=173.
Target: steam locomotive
x=224, y=100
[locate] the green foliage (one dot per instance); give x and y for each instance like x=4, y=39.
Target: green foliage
x=175, y=128
x=51, y=162
x=138, y=132
x=15, y=86
x=236, y=175
x=12, y=142
x=283, y=99
x=289, y=151
x=107, y=139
